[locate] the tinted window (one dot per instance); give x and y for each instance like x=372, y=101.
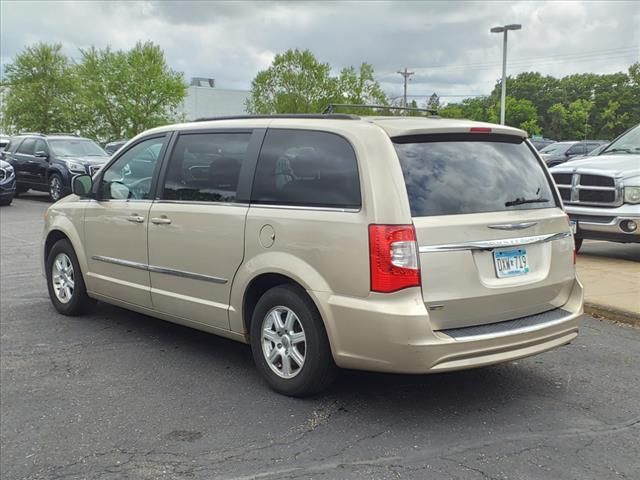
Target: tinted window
x=205, y=167
x=76, y=148
x=27, y=146
x=448, y=175
x=129, y=177
x=577, y=149
x=41, y=146
x=299, y=167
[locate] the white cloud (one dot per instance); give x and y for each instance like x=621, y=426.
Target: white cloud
x=448, y=44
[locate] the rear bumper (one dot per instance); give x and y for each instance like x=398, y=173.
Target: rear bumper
x=392, y=334
x=606, y=223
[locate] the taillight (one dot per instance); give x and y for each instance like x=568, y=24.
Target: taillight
x=393, y=258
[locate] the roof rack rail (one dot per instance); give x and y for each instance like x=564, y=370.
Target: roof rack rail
x=64, y=134
x=31, y=133
x=332, y=116
x=332, y=106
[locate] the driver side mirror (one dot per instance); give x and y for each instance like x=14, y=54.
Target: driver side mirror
x=41, y=154
x=82, y=185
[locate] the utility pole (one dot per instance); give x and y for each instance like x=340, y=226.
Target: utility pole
x=405, y=74
x=504, y=29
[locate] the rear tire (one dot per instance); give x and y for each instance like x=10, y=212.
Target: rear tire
x=65, y=282
x=287, y=328
x=578, y=243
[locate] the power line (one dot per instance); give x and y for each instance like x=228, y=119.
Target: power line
x=613, y=54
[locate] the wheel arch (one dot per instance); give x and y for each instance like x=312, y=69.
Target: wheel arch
x=60, y=229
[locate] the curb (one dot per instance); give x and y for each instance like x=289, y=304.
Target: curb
x=609, y=313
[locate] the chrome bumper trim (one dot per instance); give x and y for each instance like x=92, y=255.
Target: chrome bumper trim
x=491, y=244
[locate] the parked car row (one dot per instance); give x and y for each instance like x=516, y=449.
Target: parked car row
x=560, y=152
x=48, y=162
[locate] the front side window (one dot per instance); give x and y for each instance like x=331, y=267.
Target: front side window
x=27, y=146
x=629, y=142
x=577, y=149
x=471, y=173
x=205, y=167
x=131, y=174
x=41, y=146
x=80, y=147
x=306, y=168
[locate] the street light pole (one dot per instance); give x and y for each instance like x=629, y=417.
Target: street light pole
x=503, y=94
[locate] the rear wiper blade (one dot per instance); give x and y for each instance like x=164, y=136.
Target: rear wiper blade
x=522, y=201
x=626, y=150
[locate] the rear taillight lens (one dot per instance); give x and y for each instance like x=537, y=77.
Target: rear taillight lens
x=393, y=258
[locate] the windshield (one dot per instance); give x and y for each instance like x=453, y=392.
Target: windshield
x=559, y=147
x=456, y=174
x=628, y=142
x=81, y=147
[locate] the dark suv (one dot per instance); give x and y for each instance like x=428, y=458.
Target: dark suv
x=49, y=162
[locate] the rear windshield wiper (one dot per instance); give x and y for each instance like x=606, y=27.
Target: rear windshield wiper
x=625, y=150
x=522, y=201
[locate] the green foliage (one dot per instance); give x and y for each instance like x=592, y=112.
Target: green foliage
x=519, y=113
x=296, y=82
x=598, y=106
x=128, y=92
x=39, y=91
x=108, y=94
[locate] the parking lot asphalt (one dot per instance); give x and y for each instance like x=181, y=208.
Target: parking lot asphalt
x=115, y=395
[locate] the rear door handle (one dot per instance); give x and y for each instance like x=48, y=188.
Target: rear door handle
x=161, y=220
x=135, y=218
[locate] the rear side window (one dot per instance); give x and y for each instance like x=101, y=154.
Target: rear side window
x=306, y=168
x=205, y=167
x=471, y=173
x=27, y=146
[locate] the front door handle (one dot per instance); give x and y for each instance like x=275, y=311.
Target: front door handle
x=135, y=218
x=161, y=220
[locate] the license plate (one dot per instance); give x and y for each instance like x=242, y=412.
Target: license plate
x=574, y=226
x=511, y=263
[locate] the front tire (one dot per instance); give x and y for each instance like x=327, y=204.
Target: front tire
x=6, y=201
x=577, y=243
x=56, y=187
x=289, y=343
x=65, y=282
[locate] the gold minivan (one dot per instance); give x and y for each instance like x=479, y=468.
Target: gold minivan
x=390, y=244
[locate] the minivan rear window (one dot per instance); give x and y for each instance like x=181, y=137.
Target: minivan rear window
x=450, y=174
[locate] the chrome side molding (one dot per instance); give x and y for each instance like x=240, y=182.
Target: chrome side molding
x=513, y=226
x=491, y=244
x=163, y=270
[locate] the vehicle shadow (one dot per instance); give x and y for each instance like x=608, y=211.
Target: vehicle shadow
x=34, y=196
x=453, y=393
x=620, y=251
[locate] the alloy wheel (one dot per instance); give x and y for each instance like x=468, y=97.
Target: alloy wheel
x=62, y=278
x=284, y=344
x=55, y=188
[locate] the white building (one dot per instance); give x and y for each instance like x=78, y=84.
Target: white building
x=204, y=99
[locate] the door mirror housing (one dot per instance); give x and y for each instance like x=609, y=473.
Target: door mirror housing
x=82, y=185
x=41, y=154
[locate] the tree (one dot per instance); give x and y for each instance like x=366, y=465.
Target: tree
x=125, y=93
x=39, y=91
x=451, y=110
x=519, y=113
x=359, y=87
x=433, y=102
x=296, y=82
x=577, y=126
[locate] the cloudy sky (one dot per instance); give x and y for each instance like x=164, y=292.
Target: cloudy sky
x=447, y=44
